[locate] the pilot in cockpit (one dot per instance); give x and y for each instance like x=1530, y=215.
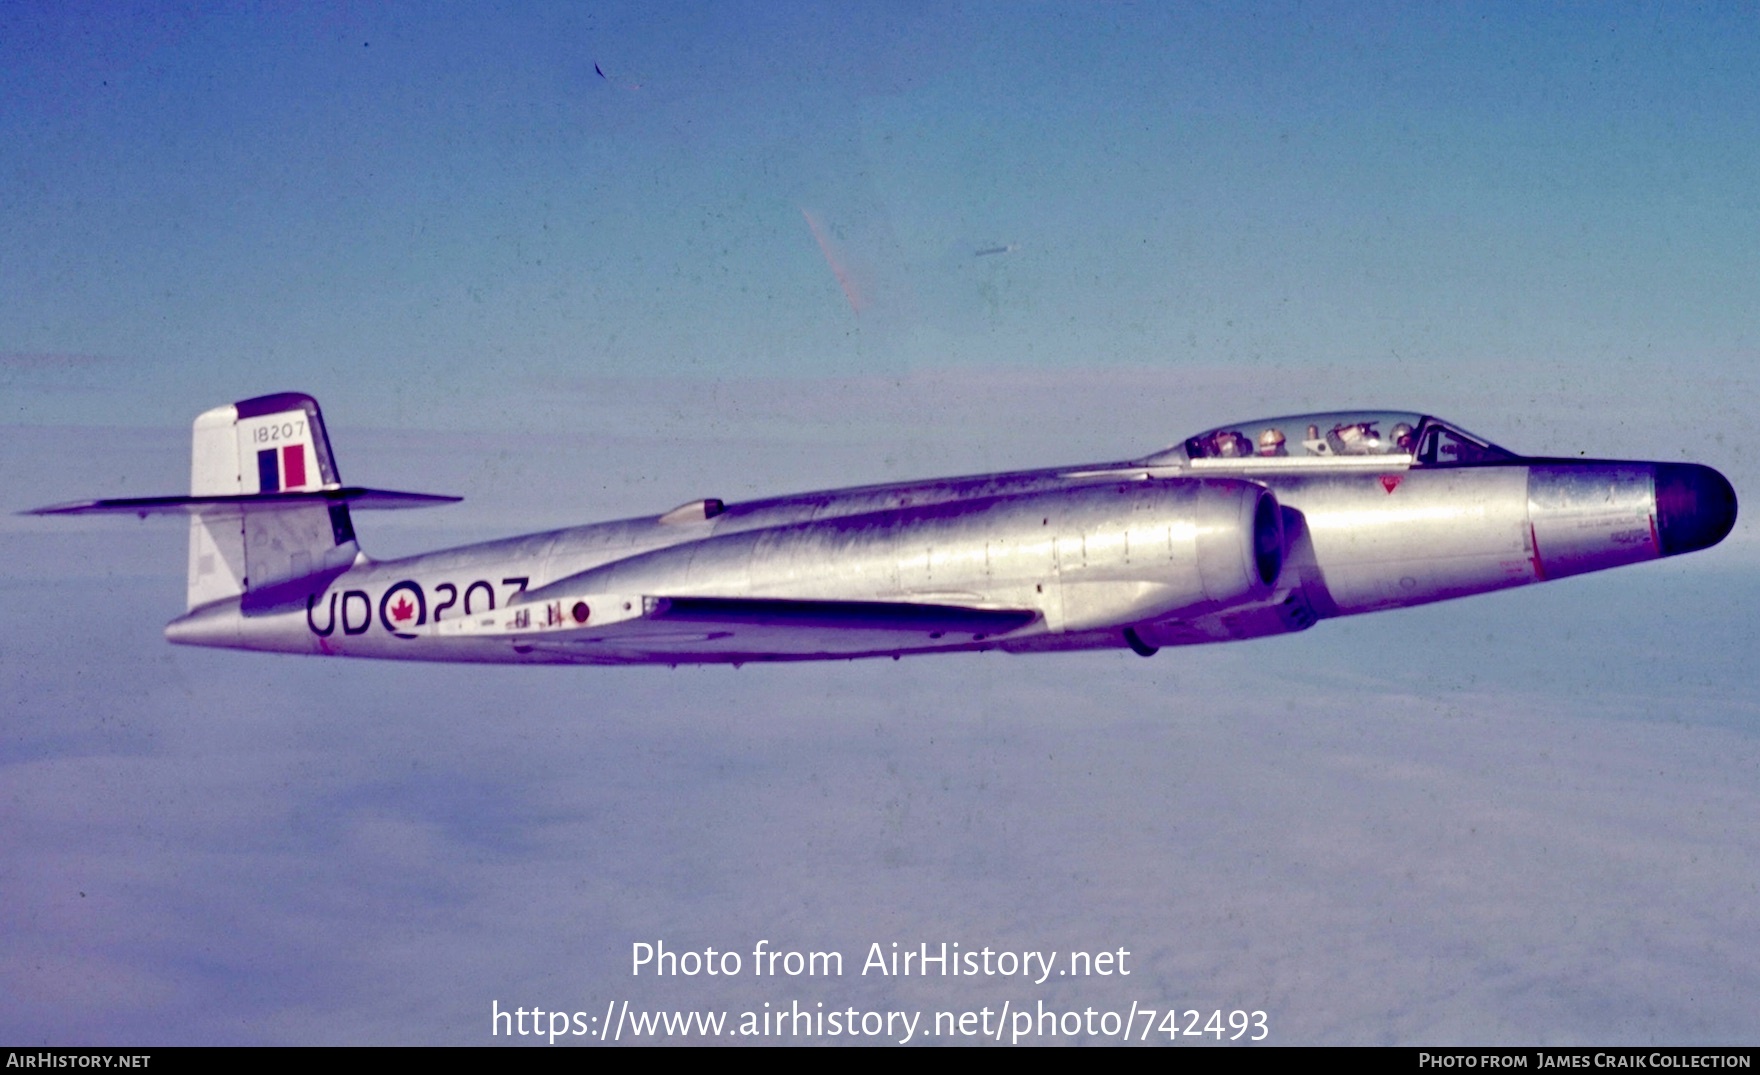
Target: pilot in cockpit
x=1232, y=445
x=1271, y=443
x=1402, y=437
x=1356, y=438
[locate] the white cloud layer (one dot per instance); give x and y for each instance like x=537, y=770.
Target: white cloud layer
x=1524, y=817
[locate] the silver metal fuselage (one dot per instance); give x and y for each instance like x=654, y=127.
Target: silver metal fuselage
x=1142, y=554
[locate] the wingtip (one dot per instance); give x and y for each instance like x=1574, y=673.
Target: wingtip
x=70, y=508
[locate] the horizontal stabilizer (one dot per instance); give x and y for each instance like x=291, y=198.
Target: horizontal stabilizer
x=195, y=505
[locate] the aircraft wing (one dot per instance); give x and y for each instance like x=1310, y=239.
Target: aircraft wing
x=734, y=628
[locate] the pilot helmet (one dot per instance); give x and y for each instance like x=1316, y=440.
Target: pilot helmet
x=1402, y=436
x=1271, y=442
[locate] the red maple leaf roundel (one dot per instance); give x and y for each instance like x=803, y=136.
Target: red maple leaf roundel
x=403, y=610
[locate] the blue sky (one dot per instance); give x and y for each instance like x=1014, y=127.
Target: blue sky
x=570, y=297
x=383, y=201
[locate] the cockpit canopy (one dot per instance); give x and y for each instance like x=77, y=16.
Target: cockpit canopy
x=1394, y=436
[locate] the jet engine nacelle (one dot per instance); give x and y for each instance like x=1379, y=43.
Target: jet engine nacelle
x=1097, y=556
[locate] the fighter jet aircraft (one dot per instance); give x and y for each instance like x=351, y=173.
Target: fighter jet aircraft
x=1246, y=530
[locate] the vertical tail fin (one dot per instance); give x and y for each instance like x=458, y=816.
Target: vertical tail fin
x=270, y=444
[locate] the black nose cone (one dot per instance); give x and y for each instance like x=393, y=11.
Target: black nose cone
x=1695, y=507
